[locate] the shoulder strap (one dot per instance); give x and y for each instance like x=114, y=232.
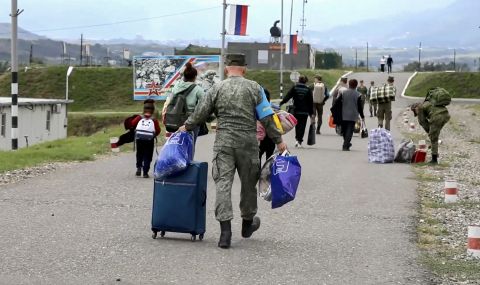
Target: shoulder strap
x=188, y=90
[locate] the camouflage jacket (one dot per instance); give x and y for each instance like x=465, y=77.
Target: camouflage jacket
x=427, y=114
x=233, y=102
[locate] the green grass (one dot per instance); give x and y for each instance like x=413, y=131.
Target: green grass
x=84, y=124
x=270, y=79
x=70, y=149
x=459, y=84
x=92, y=89
x=111, y=89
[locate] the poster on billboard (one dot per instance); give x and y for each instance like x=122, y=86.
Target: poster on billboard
x=155, y=76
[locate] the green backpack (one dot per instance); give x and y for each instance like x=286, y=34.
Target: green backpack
x=438, y=97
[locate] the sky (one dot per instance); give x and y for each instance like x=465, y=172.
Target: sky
x=193, y=19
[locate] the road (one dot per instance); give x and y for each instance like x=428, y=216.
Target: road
x=351, y=223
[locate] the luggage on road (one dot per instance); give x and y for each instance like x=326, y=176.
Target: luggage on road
x=420, y=156
x=406, y=151
x=179, y=202
x=175, y=155
x=285, y=177
x=380, y=146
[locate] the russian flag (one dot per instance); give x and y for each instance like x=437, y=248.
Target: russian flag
x=292, y=44
x=238, y=20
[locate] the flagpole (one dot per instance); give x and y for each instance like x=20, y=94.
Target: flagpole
x=281, y=54
x=222, y=50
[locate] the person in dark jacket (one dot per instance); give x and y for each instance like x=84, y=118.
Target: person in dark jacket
x=303, y=107
x=267, y=146
x=351, y=109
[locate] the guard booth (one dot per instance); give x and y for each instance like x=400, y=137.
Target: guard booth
x=39, y=120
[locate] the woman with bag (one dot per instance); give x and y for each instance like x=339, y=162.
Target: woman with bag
x=302, y=97
x=194, y=93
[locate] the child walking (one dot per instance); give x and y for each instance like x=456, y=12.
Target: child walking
x=146, y=130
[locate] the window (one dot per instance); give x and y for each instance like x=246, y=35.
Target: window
x=49, y=116
x=263, y=57
x=3, y=125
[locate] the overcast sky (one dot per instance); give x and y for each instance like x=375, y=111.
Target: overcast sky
x=41, y=15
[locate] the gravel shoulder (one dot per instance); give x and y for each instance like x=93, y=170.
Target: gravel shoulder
x=442, y=228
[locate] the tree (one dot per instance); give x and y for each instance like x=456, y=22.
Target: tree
x=328, y=60
x=4, y=65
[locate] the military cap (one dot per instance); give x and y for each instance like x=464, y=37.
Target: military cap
x=235, y=59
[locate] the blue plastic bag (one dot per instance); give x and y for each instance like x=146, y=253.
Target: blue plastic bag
x=175, y=155
x=285, y=177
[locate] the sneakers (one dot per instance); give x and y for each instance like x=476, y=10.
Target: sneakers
x=298, y=144
x=139, y=172
x=250, y=226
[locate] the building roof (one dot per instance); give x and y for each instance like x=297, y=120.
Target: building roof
x=7, y=101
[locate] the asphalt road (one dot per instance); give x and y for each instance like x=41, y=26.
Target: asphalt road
x=352, y=223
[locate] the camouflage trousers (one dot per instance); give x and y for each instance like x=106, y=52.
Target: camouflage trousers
x=384, y=112
x=226, y=161
x=433, y=128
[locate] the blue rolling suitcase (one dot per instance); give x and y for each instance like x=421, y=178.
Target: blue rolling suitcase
x=179, y=202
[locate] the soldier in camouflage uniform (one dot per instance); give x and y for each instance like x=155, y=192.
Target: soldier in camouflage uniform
x=384, y=111
x=432, y=118
x=234, y=101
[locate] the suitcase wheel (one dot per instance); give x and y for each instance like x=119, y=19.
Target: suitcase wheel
x=193, y=238
x=162, y=234
x=154, y=235
x=200, y=237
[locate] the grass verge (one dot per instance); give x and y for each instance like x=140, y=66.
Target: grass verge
x=71, y=149
x=459, y=84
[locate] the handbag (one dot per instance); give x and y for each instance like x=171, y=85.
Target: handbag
x=330, y=122
x=285, y=178
x=364, y=132
x=311, y=135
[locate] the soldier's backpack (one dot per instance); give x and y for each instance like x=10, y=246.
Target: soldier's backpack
x=438, y=97
x=177, y=112
x=145, y=129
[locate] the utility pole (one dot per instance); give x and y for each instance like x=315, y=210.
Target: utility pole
x=367, y=57
x=303, y=21
x=81, y=49
x=222, y=50
x=31, y=55
x=14, y=58
x=419, y=56
x=281, y=53
x=356, y=58
x=290, y=34
x=455, y=59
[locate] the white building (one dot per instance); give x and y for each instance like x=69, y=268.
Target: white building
x=39, y=120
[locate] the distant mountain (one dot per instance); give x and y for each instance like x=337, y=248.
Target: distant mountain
x=453, y=26
x=5, y=30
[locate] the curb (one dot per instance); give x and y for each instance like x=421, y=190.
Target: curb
x=456, y=100
x=338, y=81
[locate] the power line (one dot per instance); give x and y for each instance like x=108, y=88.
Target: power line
x=122, y=22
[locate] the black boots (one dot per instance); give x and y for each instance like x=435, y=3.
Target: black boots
x=225, y=234
x=250, y=226
x=434, y=159
x=139, y=172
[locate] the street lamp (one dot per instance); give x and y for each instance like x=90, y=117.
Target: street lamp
x=69, y=72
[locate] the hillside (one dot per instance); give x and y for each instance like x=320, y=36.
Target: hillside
x=460, y=84
x=110, y=89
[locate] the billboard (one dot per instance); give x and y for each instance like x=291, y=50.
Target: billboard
x=155, y=76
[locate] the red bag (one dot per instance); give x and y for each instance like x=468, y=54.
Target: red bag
x=330, y=122
x=420, y=156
